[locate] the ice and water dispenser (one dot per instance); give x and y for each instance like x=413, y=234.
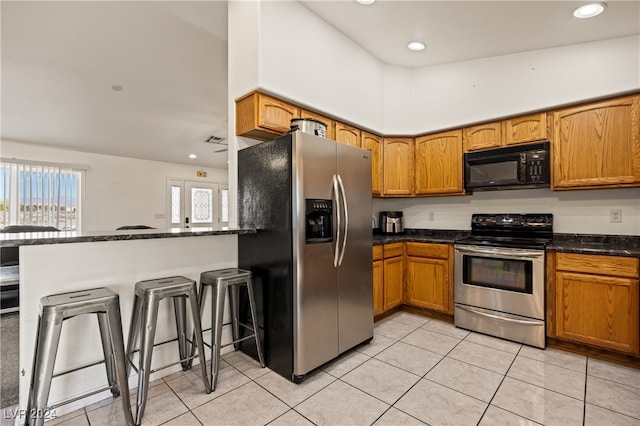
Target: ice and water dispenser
x=318, y=221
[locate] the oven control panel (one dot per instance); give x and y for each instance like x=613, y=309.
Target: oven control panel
x=511, y=220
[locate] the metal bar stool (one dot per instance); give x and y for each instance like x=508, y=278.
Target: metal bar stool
x=144, y=318
x=54, y=310
x=222, y=280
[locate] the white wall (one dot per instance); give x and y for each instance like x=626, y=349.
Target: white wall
x=582, y=212
x=117, y=190
x=454, y=95
x=243, y=64
x=304, y=59
x=399, y=115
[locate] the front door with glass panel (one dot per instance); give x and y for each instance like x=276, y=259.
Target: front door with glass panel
x=193, y=203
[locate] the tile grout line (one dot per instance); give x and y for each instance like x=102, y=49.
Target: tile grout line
x=423, y=377
x=181, y=400
x=586, y=378
x=411, y=387
x=289, y=406
x=504, y=376
x=606, y=380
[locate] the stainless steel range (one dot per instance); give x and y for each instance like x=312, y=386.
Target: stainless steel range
x=499, y=276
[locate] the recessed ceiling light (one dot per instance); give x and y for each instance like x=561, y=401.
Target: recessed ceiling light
x=589, y=10
x=416, y=45
x=193, y=156
x=116, y=87
x=366, y=1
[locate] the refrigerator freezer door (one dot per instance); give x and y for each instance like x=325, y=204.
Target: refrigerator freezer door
x=355, y=301
x=315, y=334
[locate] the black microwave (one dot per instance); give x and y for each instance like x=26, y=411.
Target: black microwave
x=511, y=167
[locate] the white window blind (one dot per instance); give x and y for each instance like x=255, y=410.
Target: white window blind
x=39, y=194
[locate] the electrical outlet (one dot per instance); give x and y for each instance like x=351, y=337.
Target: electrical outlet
x=615, y=215
x=432, y=216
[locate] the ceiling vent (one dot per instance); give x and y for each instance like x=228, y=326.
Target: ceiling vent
x=216, y=140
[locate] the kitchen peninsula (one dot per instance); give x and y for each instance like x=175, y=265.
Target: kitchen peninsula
x=56, y=262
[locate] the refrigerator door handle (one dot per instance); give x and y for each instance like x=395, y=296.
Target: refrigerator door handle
x=346, y=219
x=336, y=191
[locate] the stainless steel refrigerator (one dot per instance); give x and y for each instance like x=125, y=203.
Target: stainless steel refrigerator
x=310, y=200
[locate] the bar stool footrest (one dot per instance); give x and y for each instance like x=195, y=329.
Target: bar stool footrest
x=251, y=336
x=74, y=369
x=77, y=398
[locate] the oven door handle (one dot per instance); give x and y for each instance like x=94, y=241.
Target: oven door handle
x=502, y=252
x=479, y=312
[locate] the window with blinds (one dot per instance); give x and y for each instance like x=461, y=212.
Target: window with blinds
x=39, y=194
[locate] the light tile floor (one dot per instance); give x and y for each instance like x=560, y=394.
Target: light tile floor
x=416, y=371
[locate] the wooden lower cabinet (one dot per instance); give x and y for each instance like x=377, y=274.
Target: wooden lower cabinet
x=596, y=300
x=393, y=275
x=388, y=277
x=415, y=274
x=378, y=281
x=430, y=276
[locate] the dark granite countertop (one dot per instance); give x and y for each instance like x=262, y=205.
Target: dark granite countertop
x=612, y=245
x=62, y=237
x=438, y=236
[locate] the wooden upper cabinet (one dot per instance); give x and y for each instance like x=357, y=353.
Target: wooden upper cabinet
x=397, y=159
x=263, y=117
x=597, y=145
x=374, y=144
x=348, y=134
x=439, y=164
x=527, y=128
x=331, y=125
x=482, y=136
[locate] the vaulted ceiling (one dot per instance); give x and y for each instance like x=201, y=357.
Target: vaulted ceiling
x=62, y=62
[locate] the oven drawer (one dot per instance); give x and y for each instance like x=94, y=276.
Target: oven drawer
x=507, y=326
